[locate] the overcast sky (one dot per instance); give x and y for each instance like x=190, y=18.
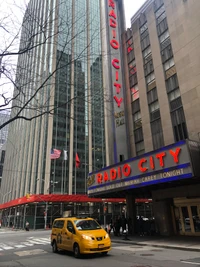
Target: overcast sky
x=131, y=7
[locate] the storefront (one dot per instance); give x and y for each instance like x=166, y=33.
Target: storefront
x=169, y=175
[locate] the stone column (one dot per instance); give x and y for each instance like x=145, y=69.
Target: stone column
x=131, y=213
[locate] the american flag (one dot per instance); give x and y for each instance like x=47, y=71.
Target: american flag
x=55, y=153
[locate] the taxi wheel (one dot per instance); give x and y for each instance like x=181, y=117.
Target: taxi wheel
x=77, y=253
x=104, y=253
x=54, y=247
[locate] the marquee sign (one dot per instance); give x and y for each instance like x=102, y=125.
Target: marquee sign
x=170, y=163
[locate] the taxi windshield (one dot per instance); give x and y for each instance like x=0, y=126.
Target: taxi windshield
x=87, y=225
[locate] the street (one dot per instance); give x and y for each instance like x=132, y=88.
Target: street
x=32, y=249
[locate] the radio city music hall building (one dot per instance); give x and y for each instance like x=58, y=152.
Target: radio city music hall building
x=156, y=101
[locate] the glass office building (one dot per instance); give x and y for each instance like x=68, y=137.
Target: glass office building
x=62, y=75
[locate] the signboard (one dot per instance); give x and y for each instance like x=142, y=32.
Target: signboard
x=114, y=43
x=167, y=164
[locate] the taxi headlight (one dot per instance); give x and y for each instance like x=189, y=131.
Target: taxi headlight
x=107, y=235
x=86, y=237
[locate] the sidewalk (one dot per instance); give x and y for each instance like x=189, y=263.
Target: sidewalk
x=187, y=243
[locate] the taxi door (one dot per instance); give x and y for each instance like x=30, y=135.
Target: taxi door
x=59, y=230
x=69, y=234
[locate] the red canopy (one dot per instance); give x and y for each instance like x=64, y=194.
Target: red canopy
x=56, y=198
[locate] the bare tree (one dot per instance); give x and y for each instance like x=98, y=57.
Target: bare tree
x=46, y=51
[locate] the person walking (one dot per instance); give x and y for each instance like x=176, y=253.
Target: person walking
x=27, y=226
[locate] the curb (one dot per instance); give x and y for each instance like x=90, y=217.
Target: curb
x=154, y=245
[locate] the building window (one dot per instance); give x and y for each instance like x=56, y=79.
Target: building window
x=133, y=80
x=154, y=106
x=160, y=11
x=137, y=116
x=135, y=106
x=132, y=67
x=172, y=83
x=150, y=78
x=139, y=147
x=148, y=67
x=174, y=94
x=161, y=18
x=145, y=42
x=137, y=120
x=143, y=28
x=152, y=96
x=130, y=49
x=167, y=53
x=162, y=27
x=134, y=93
x=146, y=52
x=179, y=124
x=164, y=36
x=168, y=64
x=138, y=135
x=157, y=134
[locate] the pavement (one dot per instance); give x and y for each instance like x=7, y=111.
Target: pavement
x=187, y=243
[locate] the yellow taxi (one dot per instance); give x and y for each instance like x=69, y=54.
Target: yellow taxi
x=80, y=235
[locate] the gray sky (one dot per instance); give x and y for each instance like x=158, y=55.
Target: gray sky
x=131, y=7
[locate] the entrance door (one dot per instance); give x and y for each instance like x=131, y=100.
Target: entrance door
x=187, y=216
x=195, y=210
x=185, y=219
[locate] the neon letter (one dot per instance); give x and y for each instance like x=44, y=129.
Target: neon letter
x=160, y=157
x=105, y=177
x=118, y=101
x=111, y=4
x=99, y=178
x=114, y=44
x=126, y=170
x=113, y=23
x=152, y=163
x=175, y=154
x=119, y=172
x=118, y=86
x=142, y=169
x=115, y=61
x=112, y=14
x=113, y=174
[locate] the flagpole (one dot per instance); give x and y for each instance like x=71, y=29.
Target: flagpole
x=62, y=179
x=75, y=181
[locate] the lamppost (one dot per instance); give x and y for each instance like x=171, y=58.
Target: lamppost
x=46, y=203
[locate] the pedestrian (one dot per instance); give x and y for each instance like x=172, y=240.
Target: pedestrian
x=141, y=226
x=124, y=223
x=27, y=226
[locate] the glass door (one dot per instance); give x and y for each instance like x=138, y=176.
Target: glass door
x=185, y=220
x=195, y=210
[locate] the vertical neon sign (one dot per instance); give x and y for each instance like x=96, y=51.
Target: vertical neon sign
x=114, y=43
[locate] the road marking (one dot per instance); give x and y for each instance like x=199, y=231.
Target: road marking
x=132, y=248
x=39, y=240
x=20, y=246
x=30, y=252
x=28, y=244
x=189, y=262
x=7, y=247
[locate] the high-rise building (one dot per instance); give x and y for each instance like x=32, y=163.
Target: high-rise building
x=162, y=62
x=74, y=92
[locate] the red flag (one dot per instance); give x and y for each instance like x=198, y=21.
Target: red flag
x=78, y=163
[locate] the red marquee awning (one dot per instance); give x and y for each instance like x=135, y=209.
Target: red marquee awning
x=61, y=198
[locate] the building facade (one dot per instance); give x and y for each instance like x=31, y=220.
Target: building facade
x=64, y=75
x=73, y=76
x=163, y=107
